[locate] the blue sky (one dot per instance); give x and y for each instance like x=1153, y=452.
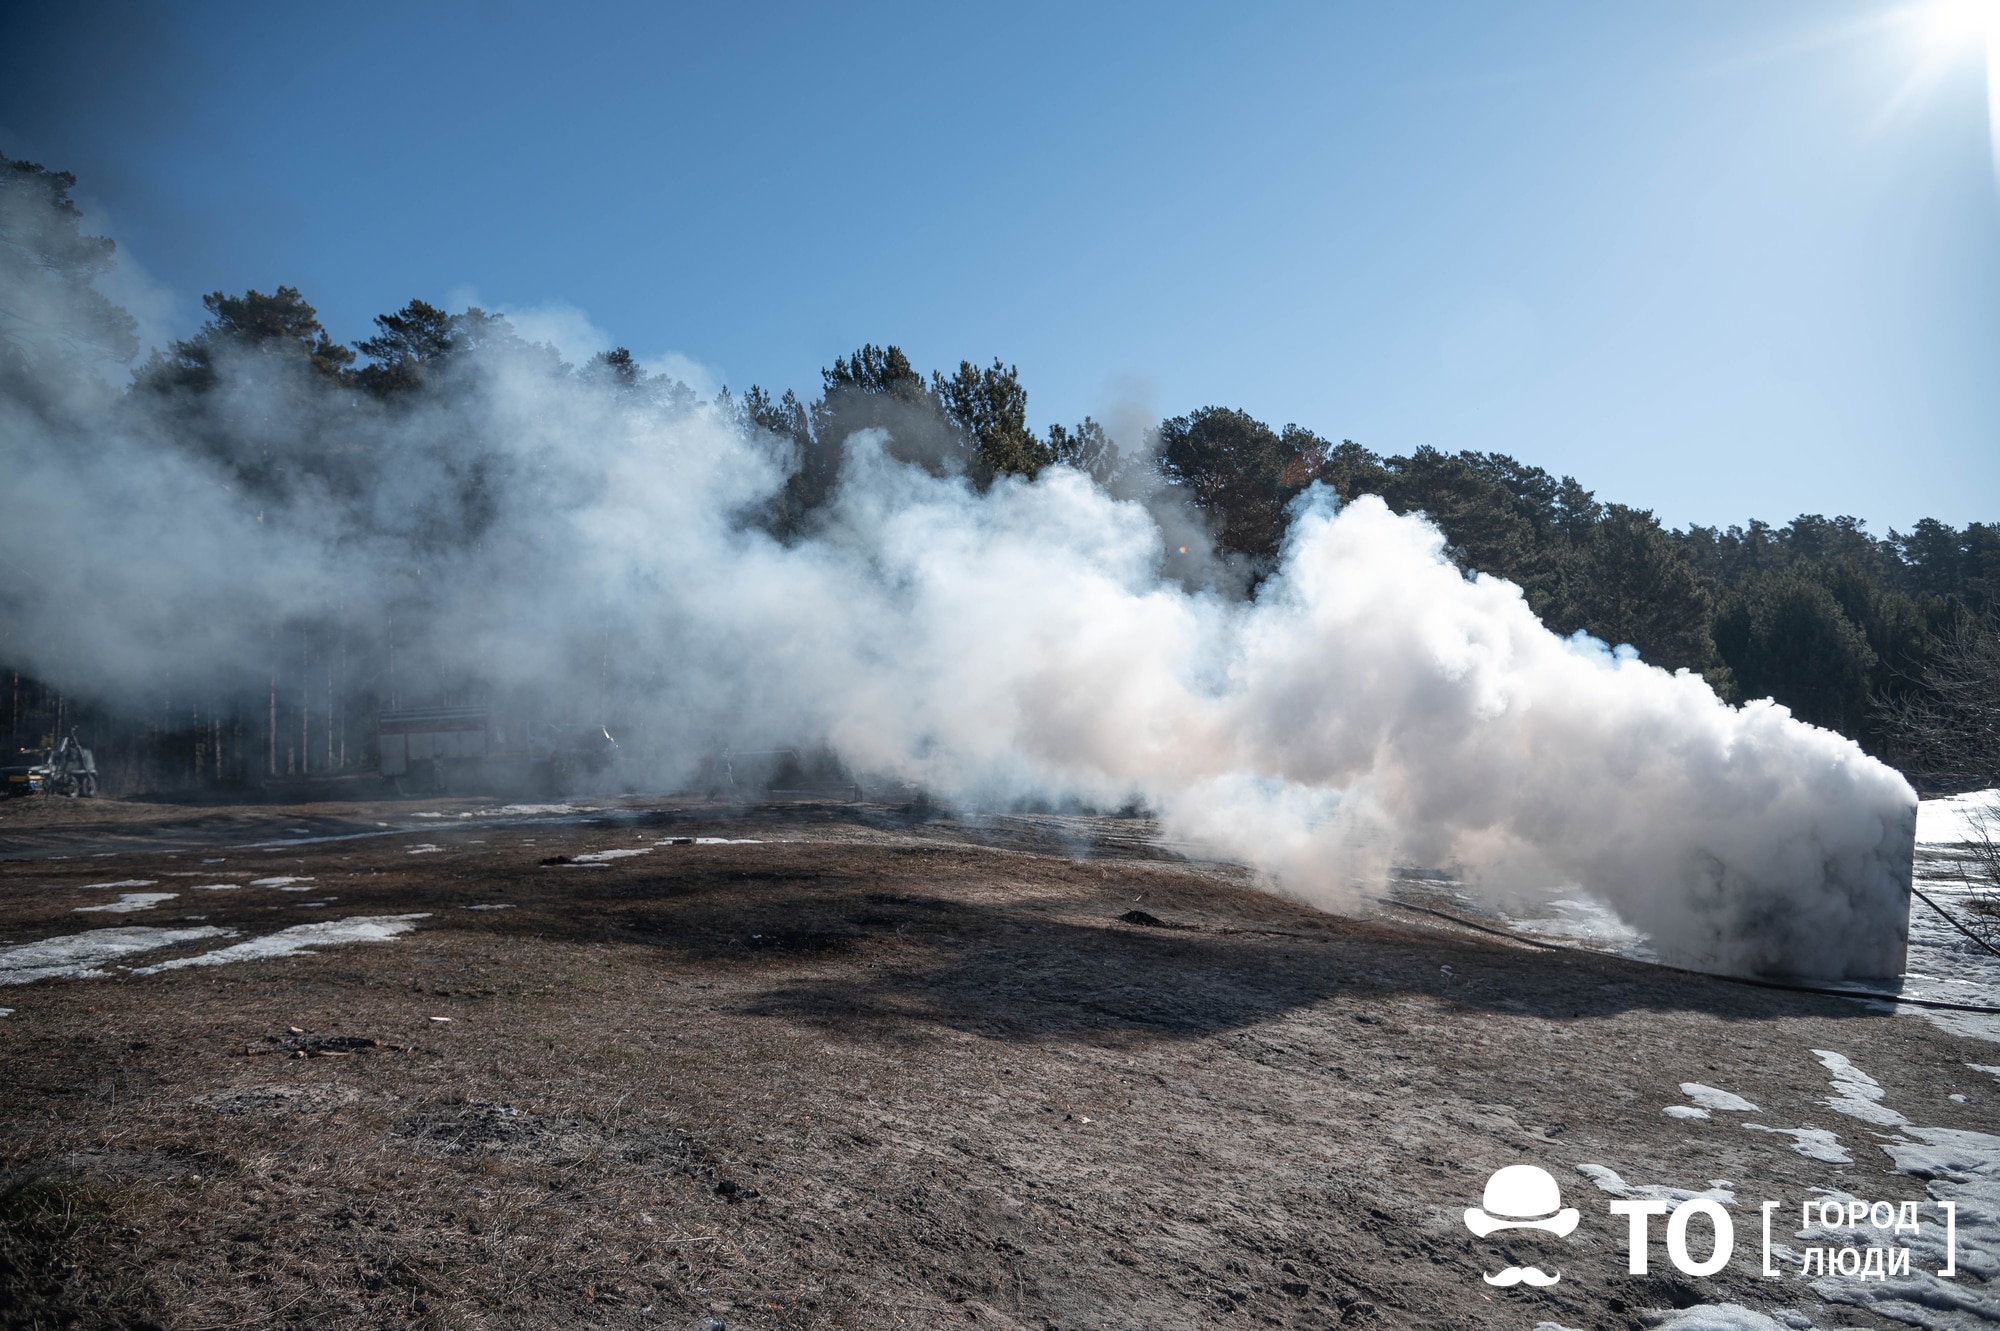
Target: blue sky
x=1719, y=260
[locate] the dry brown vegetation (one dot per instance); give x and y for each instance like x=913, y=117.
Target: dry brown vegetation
x=877, y=1070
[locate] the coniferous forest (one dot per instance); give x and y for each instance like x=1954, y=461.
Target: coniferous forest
x=1887, y=638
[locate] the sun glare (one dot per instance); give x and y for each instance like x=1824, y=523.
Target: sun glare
x=1958, y=23
x=1950, y=33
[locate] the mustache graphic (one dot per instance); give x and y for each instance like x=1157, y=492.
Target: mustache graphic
x=1523, y=1275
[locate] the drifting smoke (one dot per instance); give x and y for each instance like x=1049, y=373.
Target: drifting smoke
x=1370, y=707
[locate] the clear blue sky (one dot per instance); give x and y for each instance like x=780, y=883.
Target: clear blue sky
x=1717, y=259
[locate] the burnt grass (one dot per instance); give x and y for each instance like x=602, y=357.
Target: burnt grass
x=880, y=1070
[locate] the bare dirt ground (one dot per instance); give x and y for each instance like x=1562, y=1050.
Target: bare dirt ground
x=878, y=1068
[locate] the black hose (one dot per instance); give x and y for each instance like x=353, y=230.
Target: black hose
x=1953, y=922
x=1859, y=994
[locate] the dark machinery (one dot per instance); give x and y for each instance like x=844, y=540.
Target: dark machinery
x=66, y=768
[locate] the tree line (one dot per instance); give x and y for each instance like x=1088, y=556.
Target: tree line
x=1889, y=640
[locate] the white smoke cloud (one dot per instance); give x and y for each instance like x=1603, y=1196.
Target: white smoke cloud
x=1370, y=707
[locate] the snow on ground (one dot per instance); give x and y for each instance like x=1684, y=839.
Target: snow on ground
x=130, y=901
x=214, y=887
x=1856, y=1094
x=297, y=939
x=282, y=881
x=1958, y=1166
x=1607, y=1180
x=1812, y=1143
x=1706, y=1100
x=1732, y=1317
x=1710, y=1098
x=80, y=955
x=1949, y=820
x=424, y=848
x=122, y=882
x=600, y=856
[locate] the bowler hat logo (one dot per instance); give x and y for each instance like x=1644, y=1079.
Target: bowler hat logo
x=1522, y=1197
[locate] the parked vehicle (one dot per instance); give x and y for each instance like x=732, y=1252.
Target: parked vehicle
x=65, y=768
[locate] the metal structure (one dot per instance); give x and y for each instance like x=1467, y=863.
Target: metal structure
x=65, y=768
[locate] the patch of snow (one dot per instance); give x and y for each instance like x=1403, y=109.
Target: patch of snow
x=1710, y=1098
x=79, y=955
x=214, y=887
x=130, y=901
x=426, y=848
x=522, y=809
x=298, y=939
x=427, y=815
x=1993, y=1072
x=6, y=1012
x=599, y=856
x=1856, y=1094
x=1684, y=1111
x=1728, y=1317
x=281, y=880
x=1949, y=821
x=122, y=882
x=1959, y=1166
x=1812, y=1143
x=726, y=841
x=493, y=905
x=1607, y=1180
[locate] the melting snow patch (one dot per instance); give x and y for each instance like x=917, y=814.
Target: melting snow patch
x=1607, y=1180
x=1959, y=1166
x=1812, y=1143
x=424, y=849
x=1710, y=1098
x=1731, y=1317
x=282, y=880
x=214, y=887
x=297, y=939
x=726, y=841
x=6, y=1012
x=599, y=856
x=522, y=809
x=130, y=901
x=122, y=882
x=1684, y=1111
x=1989, y=1071
x=493, y=905
x=1856, y=1094
x=78, y=955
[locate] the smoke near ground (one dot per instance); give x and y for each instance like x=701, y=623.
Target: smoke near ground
x=605, y=544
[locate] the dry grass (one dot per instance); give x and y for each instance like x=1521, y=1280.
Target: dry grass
x=864, y=1074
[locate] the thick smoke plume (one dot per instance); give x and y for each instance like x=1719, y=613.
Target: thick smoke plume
x=553, y=536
